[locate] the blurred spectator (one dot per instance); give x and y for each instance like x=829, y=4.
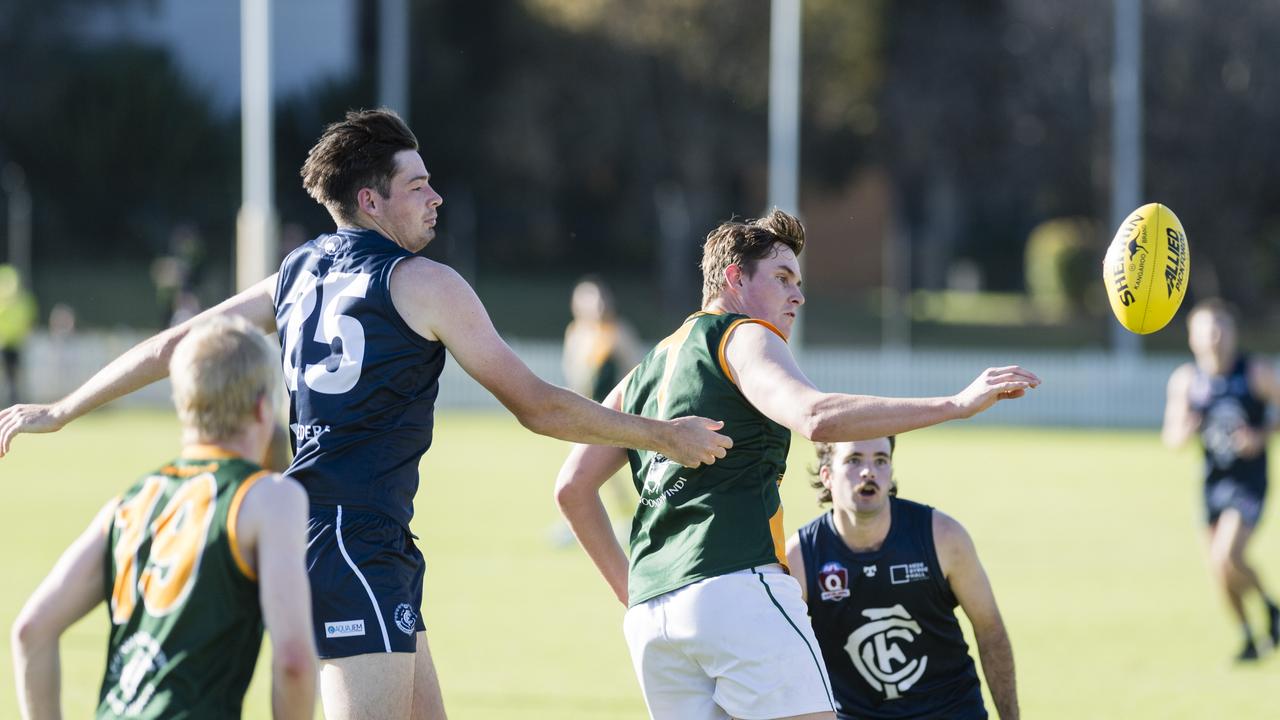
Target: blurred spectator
x=185, y=306
x=175, y=275
x=599, y=348
x=62, y=321
x=17, y=316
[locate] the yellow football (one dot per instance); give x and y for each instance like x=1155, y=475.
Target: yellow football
x=1146, y=268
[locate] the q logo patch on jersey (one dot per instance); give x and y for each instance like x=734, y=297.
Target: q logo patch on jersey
x=834, y=581
x=877, y=654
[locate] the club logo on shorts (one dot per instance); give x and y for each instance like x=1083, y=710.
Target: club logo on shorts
x=878, y=656
x=834, y=581
x=343, y=628
x=131, y=674
x=406, y=619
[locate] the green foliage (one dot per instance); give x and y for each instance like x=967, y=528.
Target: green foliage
x=118, y=148
x=1062, y=267
x=1095, y=594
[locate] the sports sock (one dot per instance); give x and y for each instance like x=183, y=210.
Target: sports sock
x=1250, y=650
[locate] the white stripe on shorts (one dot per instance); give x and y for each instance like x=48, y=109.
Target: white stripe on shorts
x=376, y=612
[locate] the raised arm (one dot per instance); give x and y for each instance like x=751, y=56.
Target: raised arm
x=141, y=365
x=968, y=580
x=587, y=468
x=1180, y=421
x=439, y=305
x=271, y=533
x=74, y=587
x=768, y=375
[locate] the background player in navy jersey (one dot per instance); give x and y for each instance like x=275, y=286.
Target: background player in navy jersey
x=1228, y=399
x=364, y=325
x=191, y=560
x=882, y=576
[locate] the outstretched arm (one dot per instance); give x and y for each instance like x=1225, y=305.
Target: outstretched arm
x=71, y=590
x=141, y=365
x=587, y=468
x=439, y=305
x=963, y=570
x=1180, y=421
x=768, y=376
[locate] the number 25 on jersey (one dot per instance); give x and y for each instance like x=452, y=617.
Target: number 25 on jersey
x=339, y=370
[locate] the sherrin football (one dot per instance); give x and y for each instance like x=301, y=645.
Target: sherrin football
x=1146, y=269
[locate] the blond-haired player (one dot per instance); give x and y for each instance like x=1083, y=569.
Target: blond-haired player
x=192, y=560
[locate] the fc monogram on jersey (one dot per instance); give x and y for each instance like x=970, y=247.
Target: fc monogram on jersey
x=877, y=651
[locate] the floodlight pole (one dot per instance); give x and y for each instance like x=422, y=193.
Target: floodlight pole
x=393, y=56
x=1126, y=139
x=256, y=241
x=784, y=118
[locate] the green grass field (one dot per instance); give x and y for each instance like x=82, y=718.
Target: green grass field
x=1091, y=539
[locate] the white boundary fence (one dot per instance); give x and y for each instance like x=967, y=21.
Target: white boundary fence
x=1086, y=388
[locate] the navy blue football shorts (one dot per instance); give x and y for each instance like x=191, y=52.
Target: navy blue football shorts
x=1246, y=498
x=366, y=582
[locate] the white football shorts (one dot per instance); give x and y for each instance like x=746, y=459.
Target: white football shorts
x=738, y=645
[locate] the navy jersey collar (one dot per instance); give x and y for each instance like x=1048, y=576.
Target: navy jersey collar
x=365, y=235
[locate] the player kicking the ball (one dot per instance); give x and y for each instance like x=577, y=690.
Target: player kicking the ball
x=1224, y=396
x=882, y=577
x=716, y=626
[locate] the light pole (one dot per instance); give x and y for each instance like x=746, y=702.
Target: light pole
x=256, y=241
x=784, y=118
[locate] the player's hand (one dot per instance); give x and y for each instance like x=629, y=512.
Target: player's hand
x=694, y=441
x=1248, y=442
x=26, y=419
x=992, y=386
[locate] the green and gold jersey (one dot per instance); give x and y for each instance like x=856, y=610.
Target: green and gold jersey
x=695, y=524
x=185, y=620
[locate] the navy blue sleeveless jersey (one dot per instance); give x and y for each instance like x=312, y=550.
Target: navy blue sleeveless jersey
x=886, y=622
x=1225, y=404
x=362, y=384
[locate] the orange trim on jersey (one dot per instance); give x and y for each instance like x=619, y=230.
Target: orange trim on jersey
x=671, y=346
x=233, y=514
x=779, y=538
x=724, y=342
x=206, y=451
